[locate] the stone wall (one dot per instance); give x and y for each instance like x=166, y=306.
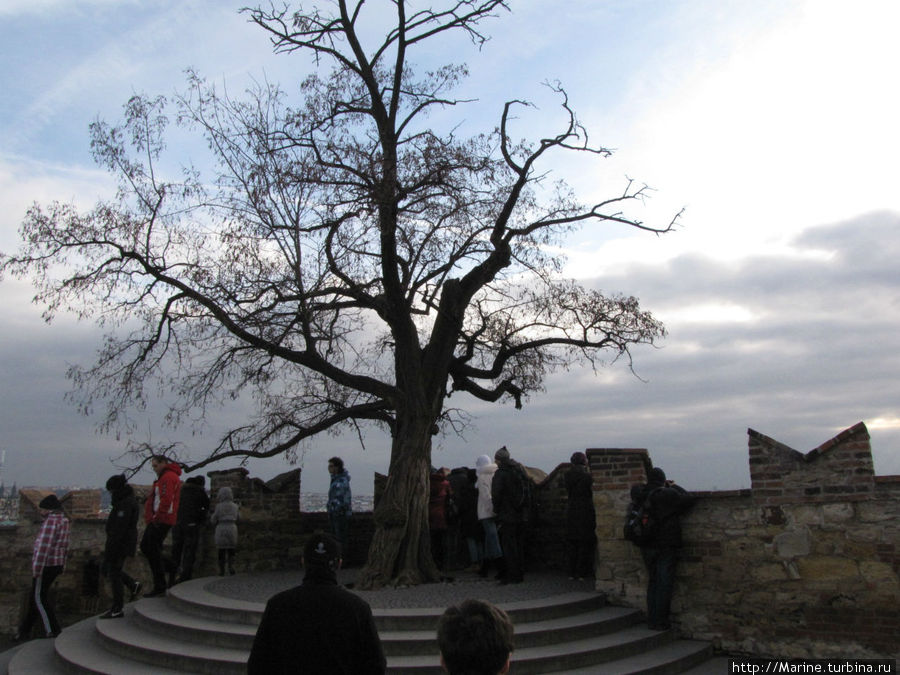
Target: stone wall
x=272, y=531
x=806, y=563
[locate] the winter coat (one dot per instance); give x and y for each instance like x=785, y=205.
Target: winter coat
x=225, y=517
x=506, y=492
x=318, y=627
x=121, y=524
x=193, y=504
x=485, y=470
x=339, y=497
x=667, y=503
x=465, y=494
x=437, y=502
x=161, y=506
x=581, y=520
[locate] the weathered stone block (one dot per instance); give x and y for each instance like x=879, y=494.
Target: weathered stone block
x=827, y=568
x=793, y=544
x=768, y=573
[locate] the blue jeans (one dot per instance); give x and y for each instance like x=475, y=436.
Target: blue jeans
x=340, y=523
x=492, y=548
x=660, y=563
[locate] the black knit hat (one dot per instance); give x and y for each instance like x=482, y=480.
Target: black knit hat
x=50, y=503
x=657, y=476
x=116, y=483
x=321, y=550
x=579, y=458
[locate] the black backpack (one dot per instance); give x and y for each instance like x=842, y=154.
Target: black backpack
x=641, y=525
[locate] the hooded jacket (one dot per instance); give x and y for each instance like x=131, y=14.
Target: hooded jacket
x=339, y=498
x=225, y=517
x=161, y=506
x=485, y=470
x=667, y=503
x=193, y=502
x=121, y=525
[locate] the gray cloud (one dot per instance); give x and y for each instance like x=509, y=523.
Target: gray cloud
x=820, y=355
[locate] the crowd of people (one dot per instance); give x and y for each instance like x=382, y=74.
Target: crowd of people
x=484, y=511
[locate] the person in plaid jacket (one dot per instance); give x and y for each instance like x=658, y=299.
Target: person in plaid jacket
x=47, y=562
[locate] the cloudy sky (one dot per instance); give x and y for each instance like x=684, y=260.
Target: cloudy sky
x=774, y=123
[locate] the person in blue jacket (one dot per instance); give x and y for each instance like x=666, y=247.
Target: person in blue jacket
x=339, y=500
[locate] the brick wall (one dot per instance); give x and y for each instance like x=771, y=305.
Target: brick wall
x=803, y=564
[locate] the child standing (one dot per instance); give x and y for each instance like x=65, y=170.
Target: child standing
x=225, y=519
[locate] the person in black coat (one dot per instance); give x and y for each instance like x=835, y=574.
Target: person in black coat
x=581, y=520
x=193, y=509
x=507, y=497
x=667, y=501
x=121, y=543
x=319, y=626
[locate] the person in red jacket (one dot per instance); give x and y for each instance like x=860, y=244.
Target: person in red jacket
x=160, y=513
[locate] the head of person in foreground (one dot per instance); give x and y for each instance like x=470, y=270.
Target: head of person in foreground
x=475, y=638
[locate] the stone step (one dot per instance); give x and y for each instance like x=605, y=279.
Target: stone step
x=592, y=652
x=193, y=630
x=679, y=656
x=192, y=597
x=129, y=639
x=531, y=634
x=80, y=650
x=161, y=616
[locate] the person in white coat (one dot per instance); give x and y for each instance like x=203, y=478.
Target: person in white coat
x=484, y=470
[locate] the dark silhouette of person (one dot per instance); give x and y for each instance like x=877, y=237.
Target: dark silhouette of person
x=318, y=627
x=667, y=501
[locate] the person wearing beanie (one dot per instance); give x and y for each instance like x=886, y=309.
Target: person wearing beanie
x=493, y=554
x=121, y=543
x=193, y=509
x=48, y=560
x=508, y=497
x=667, y=501
x=160, y=513
x=581, y=520
x=319, y=626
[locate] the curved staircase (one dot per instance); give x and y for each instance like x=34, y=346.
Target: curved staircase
x=194, y=631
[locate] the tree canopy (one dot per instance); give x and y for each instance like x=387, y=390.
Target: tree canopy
x=336, y=257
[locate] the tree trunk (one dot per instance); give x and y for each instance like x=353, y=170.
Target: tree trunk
x=400, y=553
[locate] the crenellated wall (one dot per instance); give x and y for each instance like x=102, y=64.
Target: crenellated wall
x=806, y=563
x=272, y=531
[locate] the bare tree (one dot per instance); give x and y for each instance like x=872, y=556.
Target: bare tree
x=348, y=264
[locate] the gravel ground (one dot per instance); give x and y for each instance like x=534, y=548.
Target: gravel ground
x=261, y=586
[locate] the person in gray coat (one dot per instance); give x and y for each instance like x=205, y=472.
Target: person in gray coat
x=225, y=517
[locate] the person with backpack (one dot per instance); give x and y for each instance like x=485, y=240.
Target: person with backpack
x=660, y=504
x=509, y=495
